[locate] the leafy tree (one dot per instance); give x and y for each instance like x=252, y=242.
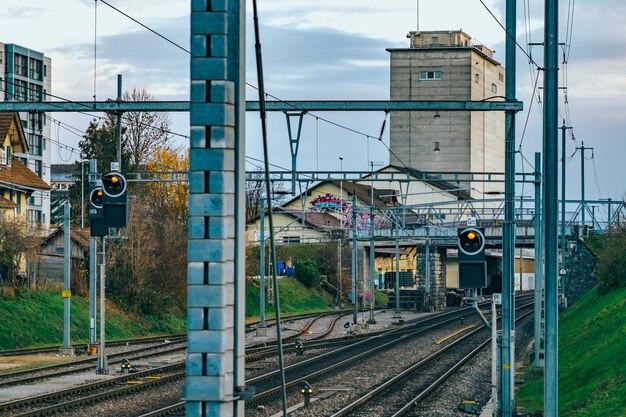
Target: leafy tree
x=611, y=266
x=17, y=243
x=307, y=272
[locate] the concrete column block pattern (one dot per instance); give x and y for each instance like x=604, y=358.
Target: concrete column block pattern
x=214, y=357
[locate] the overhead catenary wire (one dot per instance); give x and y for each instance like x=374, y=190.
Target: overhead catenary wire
x=367, y=136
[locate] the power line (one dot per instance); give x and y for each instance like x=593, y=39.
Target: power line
x=509, y=34
x=141, y=24
x=367, y=136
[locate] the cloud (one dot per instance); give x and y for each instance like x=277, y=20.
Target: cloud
x=23, y=12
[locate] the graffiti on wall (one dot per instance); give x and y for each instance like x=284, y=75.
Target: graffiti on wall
x=328, y=202
x=332, y=204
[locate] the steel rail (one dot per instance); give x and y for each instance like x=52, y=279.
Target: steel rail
x=360, y=402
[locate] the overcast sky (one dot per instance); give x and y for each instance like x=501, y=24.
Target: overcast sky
x=328, y=49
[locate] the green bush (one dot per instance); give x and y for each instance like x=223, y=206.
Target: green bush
x=307, y=272
x=611, y=267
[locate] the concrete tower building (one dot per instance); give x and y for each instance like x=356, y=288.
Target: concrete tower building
x=447, y=65
x=25, y=75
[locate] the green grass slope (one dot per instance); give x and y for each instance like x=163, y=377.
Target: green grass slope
x=295, y=298
x=592, y=368
x=35, y=318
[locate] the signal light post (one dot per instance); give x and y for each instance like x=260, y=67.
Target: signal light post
x=472, y=264
x=114, y=200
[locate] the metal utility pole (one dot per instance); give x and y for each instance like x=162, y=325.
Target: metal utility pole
x=538, y=264
x=118, y=124
x=427, y=270
x=397, y=241
x=563, y=269
x=508, y=232
x=583, y=207
x=372, y=320
x=261, y=330
x=102, y=367
x=93, y=254
x=82, y=193
x=355, y=297
x=550, y=192
x=67, y=292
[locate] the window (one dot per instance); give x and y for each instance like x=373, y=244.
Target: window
x=291, y=240
x=430, y=75
x=477, y=78
x=35, y=69
x=34, y=93
x=494, y=88
x=435, y=40
x=21, y=65
x=20, y=89
x=35, y=144
x=500, y=77
x=34, y=216
x=45, y=70
x=38, y=168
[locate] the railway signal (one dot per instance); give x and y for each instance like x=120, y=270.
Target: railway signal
x=472, y=264
x=114, y=200
x=96, y=226
x=307, y=391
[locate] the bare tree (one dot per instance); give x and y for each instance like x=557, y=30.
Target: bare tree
x=255, y=191
x=144, y=132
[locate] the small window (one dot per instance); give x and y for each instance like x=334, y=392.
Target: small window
x=477, y=78
x=430, y=75
x=435, y=40
x=500, y=77
x=494, y=88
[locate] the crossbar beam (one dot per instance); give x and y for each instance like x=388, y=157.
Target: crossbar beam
x=282, y=106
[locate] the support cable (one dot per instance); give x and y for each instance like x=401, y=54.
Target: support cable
x=259, y=69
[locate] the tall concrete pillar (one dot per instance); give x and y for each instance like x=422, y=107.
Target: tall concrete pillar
x=215, y=350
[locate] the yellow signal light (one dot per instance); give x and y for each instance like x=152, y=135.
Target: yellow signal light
x=114, y=179
x=471, y=235
x=99, y=193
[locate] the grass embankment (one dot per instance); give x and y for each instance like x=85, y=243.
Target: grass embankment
x=295, y=298
x=592, y=369
x=35, y=318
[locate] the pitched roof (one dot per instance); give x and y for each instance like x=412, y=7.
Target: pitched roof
x=19, y=176
x=79, y=235
x=7, y=119
x=4, y=203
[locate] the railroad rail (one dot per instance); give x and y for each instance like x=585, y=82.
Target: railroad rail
x=398, y=395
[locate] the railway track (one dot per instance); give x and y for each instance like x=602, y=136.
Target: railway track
x=53, y=371
x=401, y=393
x=344, y=356
x=83, y=346
x=390, y=337
x=64, y=400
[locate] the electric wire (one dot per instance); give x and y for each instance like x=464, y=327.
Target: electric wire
x=146, y=27
x=265, y=93
x=95, y=116
x=509, y=34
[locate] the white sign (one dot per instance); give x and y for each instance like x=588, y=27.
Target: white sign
x=115, y=166
x=497, y=298
x=471, y=221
